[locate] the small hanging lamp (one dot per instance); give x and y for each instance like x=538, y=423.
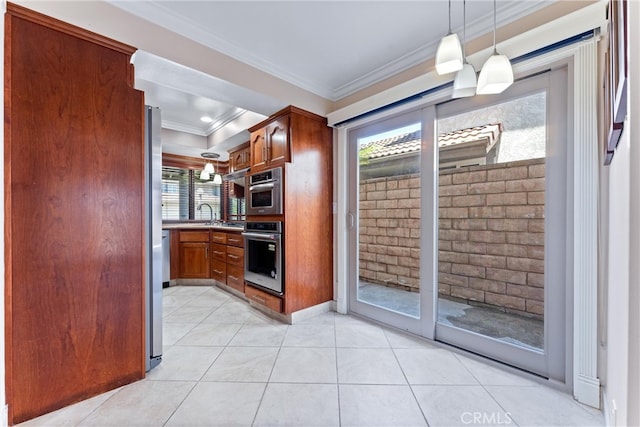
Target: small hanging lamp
x=466, y=80
x=208, y=167
x=496, y=74
x=449, y=53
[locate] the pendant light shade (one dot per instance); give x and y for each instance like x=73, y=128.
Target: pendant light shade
x=466, y=80
x=449, y=53
x=204, y=175
x=208, y=168
x=465, y=83
x=217, y=179
x=496, y=74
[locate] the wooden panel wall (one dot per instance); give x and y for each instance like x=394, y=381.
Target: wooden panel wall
x=74, y=197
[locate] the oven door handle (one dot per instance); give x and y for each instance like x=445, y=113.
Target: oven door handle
x=262, y=236
x=265, y=186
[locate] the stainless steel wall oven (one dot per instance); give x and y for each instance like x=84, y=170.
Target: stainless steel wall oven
x=263, y=259
x=265, y=193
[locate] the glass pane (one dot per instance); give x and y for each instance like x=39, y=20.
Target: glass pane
x=491, y=220
x=175, y=194
x=389, y=220
x=207, y=200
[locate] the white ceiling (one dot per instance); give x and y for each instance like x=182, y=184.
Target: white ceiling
x=330, y=48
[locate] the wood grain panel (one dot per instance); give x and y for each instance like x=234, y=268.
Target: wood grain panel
x=73, y=218
x=308, y=223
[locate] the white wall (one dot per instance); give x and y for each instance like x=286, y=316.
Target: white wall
x=622, y=371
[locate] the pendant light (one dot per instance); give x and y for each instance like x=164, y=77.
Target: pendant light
x=496, y=74
x=449, y=53
x=466, y=80
x=217, y=178
x=208, y=168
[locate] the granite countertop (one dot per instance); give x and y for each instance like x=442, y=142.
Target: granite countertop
x=202, y=226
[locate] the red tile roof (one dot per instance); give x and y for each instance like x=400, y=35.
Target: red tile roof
x=410, y=142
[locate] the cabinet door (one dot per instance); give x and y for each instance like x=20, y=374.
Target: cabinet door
x=239, y=159
x=258, y=147
x=235, y=240
x=219, y=252
x=219, y=271
x=278, y=141
x=194, y=260
x=235, y=277
x=235, y=256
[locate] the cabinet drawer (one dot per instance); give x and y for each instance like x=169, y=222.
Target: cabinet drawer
x=263, y=298
x=219, y=271
x=235, y=240
x=235, y=277
x=235, y=256
x=194, y=236
x=219, y=237
x=219, y=252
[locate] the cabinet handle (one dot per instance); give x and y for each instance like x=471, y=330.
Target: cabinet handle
x=206, y=252
x=232, y=277
x=218, y=272
x=264, y=152
x=218, y=252
x=260, y=299
x=233, y=256
x=233, y=240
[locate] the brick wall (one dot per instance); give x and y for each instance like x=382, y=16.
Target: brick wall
x=491, y=241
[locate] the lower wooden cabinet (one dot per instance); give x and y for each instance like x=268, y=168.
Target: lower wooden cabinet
x=219, y=271
x=194, y=254
x=270, y=301
x=235, y=277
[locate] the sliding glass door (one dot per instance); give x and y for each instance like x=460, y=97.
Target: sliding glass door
x=502, y=224
x=458, y=224
x=385, y=220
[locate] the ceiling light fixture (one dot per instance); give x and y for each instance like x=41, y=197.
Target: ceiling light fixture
x=206, y=119
x=208, y=169
x=449, y=53
x=496, y=74
x=466, y=80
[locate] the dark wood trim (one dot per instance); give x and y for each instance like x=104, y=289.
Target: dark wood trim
x=187, y=162
x=64, y=27
x=287, y=110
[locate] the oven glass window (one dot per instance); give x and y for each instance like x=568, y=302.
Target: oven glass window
x=262, y=258
x=262, y=199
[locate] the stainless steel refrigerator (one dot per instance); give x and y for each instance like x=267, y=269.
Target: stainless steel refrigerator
x=153, y=232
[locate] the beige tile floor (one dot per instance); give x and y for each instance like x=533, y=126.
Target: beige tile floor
x=225, y=364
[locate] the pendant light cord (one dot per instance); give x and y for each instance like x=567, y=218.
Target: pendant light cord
x=495, y=49
x=449, y=16
x=464, y=29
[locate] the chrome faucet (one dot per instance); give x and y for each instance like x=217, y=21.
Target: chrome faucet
x=210, y=210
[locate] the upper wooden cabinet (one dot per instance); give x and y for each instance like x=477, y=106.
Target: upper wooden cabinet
x=240, y=158
x=270, y=142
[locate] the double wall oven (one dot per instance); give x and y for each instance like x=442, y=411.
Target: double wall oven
x=263, y=255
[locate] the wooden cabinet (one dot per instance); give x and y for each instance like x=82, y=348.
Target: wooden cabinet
x=235, y=261
x=194, y=254
x=227, y=259
x=240, y=158
x=302, y=143
x=218, y=261
x=269, y=144
x=270, y=301
x=74, y=312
